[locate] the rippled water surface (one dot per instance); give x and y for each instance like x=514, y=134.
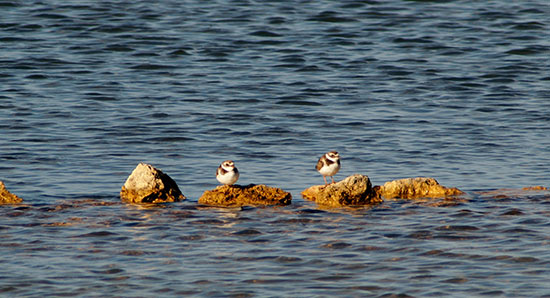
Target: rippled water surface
x=456, y=90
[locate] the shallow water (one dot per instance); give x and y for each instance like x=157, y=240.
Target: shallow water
x=455, y=90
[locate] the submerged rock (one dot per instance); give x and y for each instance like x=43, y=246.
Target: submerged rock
x=534, y=188
x=355, y=190
x=419, y=187
x=250, y=195
x=147, y=184
x=509, y=193
x=7, y=197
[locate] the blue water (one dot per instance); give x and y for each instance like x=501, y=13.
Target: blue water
x=455, y=90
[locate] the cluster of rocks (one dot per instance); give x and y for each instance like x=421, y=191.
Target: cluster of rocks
x=149, y=185
x=357, y=190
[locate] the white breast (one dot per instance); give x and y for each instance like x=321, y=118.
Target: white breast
x=229, y=178
x=330, y=170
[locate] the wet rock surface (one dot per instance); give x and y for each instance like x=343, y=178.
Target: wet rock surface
x=355, y=190
x=419, y=187
x=250, y=195
x=7, y=197
x=147, y=184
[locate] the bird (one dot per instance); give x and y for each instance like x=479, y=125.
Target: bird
x=329, y=165
x=227, y=173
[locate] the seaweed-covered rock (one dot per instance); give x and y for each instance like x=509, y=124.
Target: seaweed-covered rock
x=250, y=195
x=147, y=184
x=7, y=197
x=419, y=187
x=355, y=190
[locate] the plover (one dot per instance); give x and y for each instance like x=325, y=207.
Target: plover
x=329, y=165
x=227, y=173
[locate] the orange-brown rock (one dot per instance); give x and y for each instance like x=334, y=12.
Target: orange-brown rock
x=147, y=184
x=419, y=187
x=355, y=190
x=508, y=193
x=7, y=197
x=538, y=187
x=250, y=195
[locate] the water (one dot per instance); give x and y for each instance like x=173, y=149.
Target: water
x=456, y=90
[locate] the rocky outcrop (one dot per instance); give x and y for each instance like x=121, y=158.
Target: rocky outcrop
x=250, y=195
x=355, y=190
x=413, y=188
x=7, y=197
x=147, y=184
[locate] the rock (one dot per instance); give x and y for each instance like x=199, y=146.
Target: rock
x=534, y=188
x=250, y=195
x=7, y=197
x=509, y=193
x=420, y=187
x=446, y=202
x=355, y=190
x=147, y=184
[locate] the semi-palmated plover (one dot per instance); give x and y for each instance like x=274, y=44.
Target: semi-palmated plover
x=329, y=165
x=227, y=173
